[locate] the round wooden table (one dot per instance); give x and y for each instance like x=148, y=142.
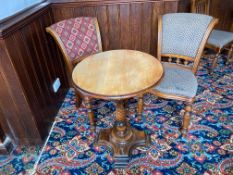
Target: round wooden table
x=118, y=75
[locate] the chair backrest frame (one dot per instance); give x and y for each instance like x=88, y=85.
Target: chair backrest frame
x=69, y=63
x=195, y=60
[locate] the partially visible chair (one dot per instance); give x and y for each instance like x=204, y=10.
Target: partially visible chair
x=77, y=38
x=218, y=39
x=181, y=41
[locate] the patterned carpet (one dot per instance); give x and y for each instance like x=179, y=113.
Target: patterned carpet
x=207, y=150
x=20, y=162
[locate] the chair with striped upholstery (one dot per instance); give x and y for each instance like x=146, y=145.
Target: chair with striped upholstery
x=181, y=40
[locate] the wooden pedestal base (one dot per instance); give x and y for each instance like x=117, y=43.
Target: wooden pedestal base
x=122, y=147
x=122, y=138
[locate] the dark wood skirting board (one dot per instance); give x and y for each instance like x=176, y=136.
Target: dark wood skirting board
x=30, y=60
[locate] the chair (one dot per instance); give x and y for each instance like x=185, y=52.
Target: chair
x=181, y=41
x=218, y=39
x=77, y=38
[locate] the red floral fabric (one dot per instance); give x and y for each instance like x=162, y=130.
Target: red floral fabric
x=79, y=36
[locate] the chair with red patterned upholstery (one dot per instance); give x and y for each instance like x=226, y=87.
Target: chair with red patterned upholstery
x=77, y=38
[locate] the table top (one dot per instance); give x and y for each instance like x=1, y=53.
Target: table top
x=117, y=74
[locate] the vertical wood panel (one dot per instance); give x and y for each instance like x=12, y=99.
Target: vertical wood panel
x=31, y=64
x=89, y=11
x=170, y=7
x=43, y=61
x=146, y=30
x=14, y=105
x=21, y=68
x=136, y=30
x=223, y=10
x=30, y=44
x=102, y=17
x=64, y=14
x=27, y=74
x=184, y=6
x=7, y=114
x=46, y=52
x=114, y=26
x=157, y=9
x=125, y=39
x=54, y=53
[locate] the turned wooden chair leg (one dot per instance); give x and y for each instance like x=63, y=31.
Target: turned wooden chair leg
x=186, y=119
x=78, y=99
x=230, y=54
x=140, y=108
x=214, y=63
x=90, y=112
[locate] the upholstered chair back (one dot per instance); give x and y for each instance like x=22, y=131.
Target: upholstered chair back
x=183, y=35
x=77, y=38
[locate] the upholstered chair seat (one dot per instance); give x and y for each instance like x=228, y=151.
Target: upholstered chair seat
x=177, y=81
x=220, y=38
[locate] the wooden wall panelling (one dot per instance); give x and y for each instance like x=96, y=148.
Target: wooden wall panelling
x=184, y=6
x=113, y=26
x=223, y=10
x=170, y=5
x=124, y=18
x=135, y=28
x=158, y=9
x=146, y=33
x=123, y=24
x=6, y=114
x=53, y=51
x=14, y=105
x=36, y=63
x=22, y=54
x=101, y=13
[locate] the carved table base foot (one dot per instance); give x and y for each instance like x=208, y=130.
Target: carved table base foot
x=122, y=147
